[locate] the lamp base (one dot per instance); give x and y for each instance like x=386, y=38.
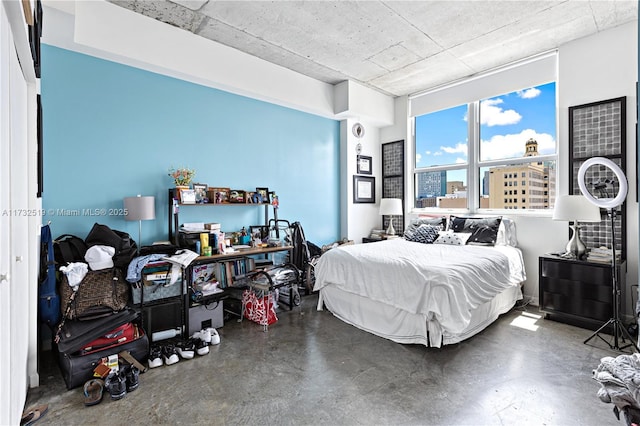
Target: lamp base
x=575, y=245
x=390, y=229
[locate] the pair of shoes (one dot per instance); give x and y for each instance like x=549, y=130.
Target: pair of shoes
x=93, y=392
x=208, y=335
x=170, y=354
x=155, y=357
x=33, y=414
x=116, y=384
x=187, y=348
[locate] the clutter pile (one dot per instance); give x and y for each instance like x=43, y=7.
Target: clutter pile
x=620, y=385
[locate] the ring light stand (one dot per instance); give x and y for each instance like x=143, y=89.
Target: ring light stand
x=611, y=204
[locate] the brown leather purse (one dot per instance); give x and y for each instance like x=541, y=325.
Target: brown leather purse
x=100, y=293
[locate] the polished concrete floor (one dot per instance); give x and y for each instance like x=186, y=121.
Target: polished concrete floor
x=311, y=368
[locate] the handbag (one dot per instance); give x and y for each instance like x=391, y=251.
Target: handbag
x=100, y=293
x=260, y=310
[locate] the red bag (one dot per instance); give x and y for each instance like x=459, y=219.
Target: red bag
x=126, y=333
x=260, y=310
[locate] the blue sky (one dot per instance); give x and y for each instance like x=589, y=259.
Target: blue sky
x=507, y=122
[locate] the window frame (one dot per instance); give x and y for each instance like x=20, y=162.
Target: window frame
x=474, y=166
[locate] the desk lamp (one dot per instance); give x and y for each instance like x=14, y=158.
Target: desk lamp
x=140, y=208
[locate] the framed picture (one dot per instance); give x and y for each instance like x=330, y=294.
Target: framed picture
x=249, y=196
x=201, y=192
x=187, y=196
x=220, y=195
x=364, y=165
x=364, y=189
x=262, y=196
x=237, y=196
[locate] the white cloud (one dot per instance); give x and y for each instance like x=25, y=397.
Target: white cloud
x=493, y=115
x=461, y=160
x=460, y=148
x=427, y=152
x=437, y=153
x=513, y=146
x=529, y=93
x=418, y=158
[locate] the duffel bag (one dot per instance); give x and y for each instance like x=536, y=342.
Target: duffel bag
x=126, y=248
x=99, y=293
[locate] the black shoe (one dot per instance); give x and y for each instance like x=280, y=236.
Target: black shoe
x=202, y=347
x=155, y=357
x=186, y=348
x=116, y=385
x=170, y=354
x=132, y=377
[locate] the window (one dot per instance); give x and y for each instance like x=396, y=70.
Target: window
x=514, y=136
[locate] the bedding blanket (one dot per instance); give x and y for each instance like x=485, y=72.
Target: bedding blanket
x=442, y=282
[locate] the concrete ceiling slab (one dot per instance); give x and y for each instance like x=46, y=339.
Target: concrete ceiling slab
x=395, y=47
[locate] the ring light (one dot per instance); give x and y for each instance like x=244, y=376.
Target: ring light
x=606, y=203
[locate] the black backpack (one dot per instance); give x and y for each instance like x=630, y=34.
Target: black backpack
x=68, y=248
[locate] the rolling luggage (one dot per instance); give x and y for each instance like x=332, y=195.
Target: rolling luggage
x=83, y=344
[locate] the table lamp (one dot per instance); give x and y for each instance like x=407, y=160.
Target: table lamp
x=140, y=208
x=391, y=207
x=575, y=208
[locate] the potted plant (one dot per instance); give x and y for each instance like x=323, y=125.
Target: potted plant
x=182, y=177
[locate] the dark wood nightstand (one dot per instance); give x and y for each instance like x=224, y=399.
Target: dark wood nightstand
x=577, y=292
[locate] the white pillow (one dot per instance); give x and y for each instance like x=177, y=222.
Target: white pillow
x=507, y=233
x=452, y=238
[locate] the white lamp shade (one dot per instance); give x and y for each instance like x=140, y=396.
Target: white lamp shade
x=140, y=208
x=575, y=208
x=391, y=206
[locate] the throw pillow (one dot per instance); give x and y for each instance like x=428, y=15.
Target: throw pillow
x=425, y=234
x=453, y=239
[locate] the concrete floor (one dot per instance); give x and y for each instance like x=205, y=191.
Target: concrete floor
x=311, y=368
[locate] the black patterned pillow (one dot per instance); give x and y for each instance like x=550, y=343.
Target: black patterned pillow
x=440, y=222
x=425, y=234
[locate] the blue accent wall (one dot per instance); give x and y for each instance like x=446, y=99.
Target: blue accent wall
x=113, y=131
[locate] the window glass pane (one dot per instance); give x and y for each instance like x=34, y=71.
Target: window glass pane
x=441, y=137
x=441, y=189
x=518, y=124
x=537, y=189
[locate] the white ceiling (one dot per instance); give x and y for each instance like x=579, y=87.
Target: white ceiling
x=395, y=47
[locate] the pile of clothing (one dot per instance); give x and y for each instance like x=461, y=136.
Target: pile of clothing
x=620, y=385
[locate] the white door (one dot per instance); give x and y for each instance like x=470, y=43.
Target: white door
x=16, y=298
x=7, y=410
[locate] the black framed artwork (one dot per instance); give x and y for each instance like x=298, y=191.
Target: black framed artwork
x=364, y=189
x=364, y=165
x=598, y=129
x=393, y=178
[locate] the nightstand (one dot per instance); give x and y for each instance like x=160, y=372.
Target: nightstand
x=577, y=292
x=384, y=237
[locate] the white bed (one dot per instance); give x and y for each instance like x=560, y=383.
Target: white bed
x=411, y=292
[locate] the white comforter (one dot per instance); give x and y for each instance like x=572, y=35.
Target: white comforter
x=444, y=282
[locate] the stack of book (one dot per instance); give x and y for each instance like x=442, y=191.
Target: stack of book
x=602, y=255
x=376, y=234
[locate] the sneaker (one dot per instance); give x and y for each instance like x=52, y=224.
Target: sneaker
x=169, y=354
x=202, y=347
x=204, y=335
x=215, y=337
x=187, y=348
x=132, y=378
x=155, y=357
x=115, y=383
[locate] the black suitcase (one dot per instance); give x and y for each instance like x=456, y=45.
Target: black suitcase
x=76, y=368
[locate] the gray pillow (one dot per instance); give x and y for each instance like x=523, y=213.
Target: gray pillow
x=425, y=234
